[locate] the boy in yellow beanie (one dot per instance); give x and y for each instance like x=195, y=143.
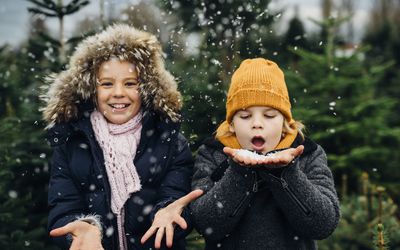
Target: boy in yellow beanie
x=266, y=185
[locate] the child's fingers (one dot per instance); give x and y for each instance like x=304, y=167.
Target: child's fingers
x=61, y=231
x=253, y=161
x=169, y=234
x=148, y=234
x=246, y=161
x=250, y=161
x=266, y=160
x=75, y=245
x=278, y=159
x=57, y=232
x=181, y=222
x=229, y=151
x=243, y=160
x=159, y=236
x=299, y=150
x=183, y=201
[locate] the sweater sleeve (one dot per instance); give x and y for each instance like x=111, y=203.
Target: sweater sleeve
x=308, y=198
x=219, y=210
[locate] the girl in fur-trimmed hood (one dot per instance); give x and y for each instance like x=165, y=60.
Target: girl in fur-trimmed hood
x=77, y=83
x=120, y=167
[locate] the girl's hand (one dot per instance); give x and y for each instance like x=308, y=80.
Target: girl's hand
x=281, y=158
x=85, y=236
x=166, y=219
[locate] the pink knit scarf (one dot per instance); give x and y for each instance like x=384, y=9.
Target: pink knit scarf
x=119, y=144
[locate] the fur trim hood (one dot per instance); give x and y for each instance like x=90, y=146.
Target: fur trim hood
x=65, y=91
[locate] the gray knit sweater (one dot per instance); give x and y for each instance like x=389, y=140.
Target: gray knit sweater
x=243, y=208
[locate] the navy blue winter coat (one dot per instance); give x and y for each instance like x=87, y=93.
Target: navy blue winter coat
x=78, y=179
x=79, y=185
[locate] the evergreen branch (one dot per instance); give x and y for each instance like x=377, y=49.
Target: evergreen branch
x=78, y=38
x=60, y=11
x=84, y=3
x=50, y=3
x=76, y=3
x=71, y=8
x=331, y=21
x=74, y=39
x=49, y=6
x=49, y=39
x=39, y=11
x=38, y=44
x=2, y=48
x=381, y=239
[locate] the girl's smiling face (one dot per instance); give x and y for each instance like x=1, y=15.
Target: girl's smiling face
x=118, y=97
x=258, y=128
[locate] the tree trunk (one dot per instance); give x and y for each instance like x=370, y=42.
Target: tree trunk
x=61, y=35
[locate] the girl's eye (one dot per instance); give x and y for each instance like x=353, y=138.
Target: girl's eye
x=106, y=84
x=269, y=115
x=244, y=116
x=131, y=84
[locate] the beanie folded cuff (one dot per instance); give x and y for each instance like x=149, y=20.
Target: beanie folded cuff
x=254, y=97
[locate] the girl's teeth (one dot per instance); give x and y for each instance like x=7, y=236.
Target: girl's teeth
x=119, y=106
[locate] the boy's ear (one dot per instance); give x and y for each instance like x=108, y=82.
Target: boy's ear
x=231, y=128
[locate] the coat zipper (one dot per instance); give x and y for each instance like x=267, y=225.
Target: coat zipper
x=291, y=194
x=246, y=196
x=95, y=147
x=294, y=197
x=107, y=190
x=255, y=184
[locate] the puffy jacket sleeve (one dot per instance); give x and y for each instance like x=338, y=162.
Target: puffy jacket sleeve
x=306, y=193
x=219, y=210
x=64, y=200
x=176, y=183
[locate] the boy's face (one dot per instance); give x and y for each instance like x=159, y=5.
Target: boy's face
x=118, y=97
x=258, y=128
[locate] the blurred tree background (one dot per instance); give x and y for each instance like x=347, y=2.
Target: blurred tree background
x=345, y=91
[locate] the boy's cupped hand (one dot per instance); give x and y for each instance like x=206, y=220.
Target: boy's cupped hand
x=248, y=158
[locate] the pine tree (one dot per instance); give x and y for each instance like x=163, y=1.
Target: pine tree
x=368, y=220
x=56, y=8
x=337, y=98
x=225, y=36
x=24, y=152
x=23, y=171
x=295, y=38
x=383, y=37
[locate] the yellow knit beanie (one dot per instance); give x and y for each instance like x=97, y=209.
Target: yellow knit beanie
x=257, y=82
